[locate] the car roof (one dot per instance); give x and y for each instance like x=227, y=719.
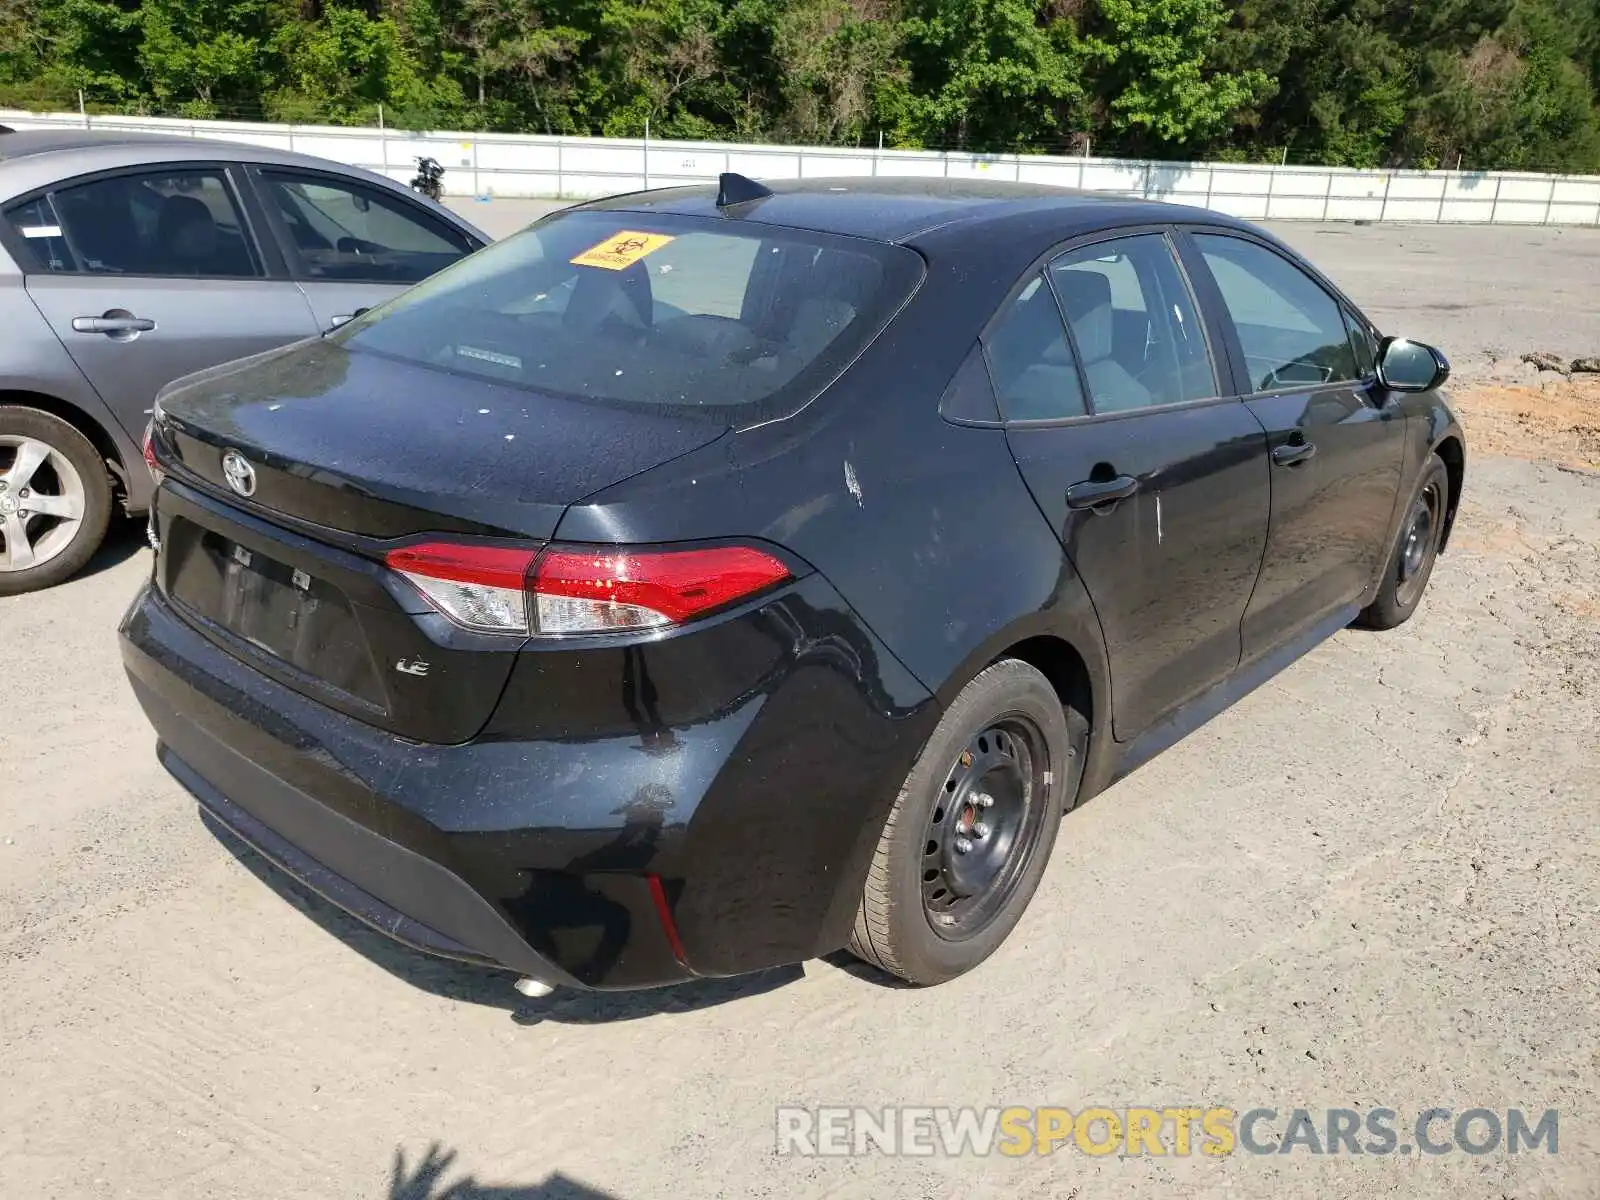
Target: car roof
x=36, y=158
x=899, y=209
x=40, y=158
x=25, y=143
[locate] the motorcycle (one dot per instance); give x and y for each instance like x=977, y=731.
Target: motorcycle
x=429, y=179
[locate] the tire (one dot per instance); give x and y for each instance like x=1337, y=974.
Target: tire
x=1006, y=738
x=69, y=477
x=1409, y=569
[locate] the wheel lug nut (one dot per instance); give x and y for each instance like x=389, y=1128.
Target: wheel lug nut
x=982, y=800
x=963, y=845
x=24, y=493
x=980, y=830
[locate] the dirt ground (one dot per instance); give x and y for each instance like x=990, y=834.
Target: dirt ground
x=1557, y=421
x=1373, y=883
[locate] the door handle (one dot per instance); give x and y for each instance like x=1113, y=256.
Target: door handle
x=1292, y=454
x=1101, y=495
x=112, y=324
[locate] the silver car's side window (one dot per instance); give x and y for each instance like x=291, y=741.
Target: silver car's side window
x=36, y=223
x=179, y=223
x=343, y=232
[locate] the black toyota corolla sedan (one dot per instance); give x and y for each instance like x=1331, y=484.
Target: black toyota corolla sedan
x=709, y=579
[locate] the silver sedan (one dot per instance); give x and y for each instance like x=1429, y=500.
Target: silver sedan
x=128, y=260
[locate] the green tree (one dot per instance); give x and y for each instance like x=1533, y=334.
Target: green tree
x=205, y=56
x=1157, y=78
x=988, y=75
x=836, y=59
x=343, y=65
x=1487, y=83
x=49, y=49
x=658, y=58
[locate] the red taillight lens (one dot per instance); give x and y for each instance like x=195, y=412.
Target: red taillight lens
x=569, y=590
x=150, y=451
x=594, y=591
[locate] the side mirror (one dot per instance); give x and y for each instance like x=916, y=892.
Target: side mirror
x=1407, y=366
x=346, y=318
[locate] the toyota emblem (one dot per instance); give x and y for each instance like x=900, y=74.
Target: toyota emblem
x=241, y=476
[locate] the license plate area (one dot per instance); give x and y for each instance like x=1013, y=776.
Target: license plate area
x=285, y=612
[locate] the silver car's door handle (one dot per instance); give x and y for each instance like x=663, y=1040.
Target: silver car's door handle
x=112, y=324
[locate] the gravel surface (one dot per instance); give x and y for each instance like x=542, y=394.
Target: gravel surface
x=1373, y=883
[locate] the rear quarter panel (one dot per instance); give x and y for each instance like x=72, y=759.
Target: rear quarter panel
x=925, y=528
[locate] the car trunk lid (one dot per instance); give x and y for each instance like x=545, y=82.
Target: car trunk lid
x=361, y=444
x=347, y=455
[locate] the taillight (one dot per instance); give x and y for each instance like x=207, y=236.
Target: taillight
x=597, y=590
x=480, y=587
x=573, y=590
x=150, y=452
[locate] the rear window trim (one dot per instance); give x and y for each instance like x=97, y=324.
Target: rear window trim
x=737, y=418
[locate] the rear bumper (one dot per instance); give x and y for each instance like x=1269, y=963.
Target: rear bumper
x=332, y=886
x=625, y=860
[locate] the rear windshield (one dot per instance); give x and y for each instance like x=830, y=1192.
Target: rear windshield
x=681, y=313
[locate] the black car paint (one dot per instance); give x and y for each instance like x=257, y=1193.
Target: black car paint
x=445, y=456
x=749, y=761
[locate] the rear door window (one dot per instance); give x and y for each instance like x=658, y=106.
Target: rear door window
x=1134, y=324
x=650, y=310
x=36, y=223
x=175, y=223
x=1035, y=376
x=341, y=231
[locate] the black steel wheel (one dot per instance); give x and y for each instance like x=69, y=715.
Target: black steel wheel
x=1419, y=542
x=980, y=834
x=1416, y=551
x=970, y=834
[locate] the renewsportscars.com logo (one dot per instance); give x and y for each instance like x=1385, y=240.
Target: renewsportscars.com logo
x=1179, y=1131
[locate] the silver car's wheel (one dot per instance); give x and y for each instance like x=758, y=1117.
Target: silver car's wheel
x=41, y=502
x=55, y=500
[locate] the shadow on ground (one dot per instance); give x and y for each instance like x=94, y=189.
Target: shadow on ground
x=124, y=538
x=426, y=1180
x=493, y=989
x=844, y=961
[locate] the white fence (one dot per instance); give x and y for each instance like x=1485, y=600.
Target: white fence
x=511, y=165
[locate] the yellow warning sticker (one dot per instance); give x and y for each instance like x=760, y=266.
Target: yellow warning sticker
x=622, y=251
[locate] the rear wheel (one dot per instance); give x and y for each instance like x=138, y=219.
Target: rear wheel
x=971, y=831
x=55, y=500
x=1408, y=572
